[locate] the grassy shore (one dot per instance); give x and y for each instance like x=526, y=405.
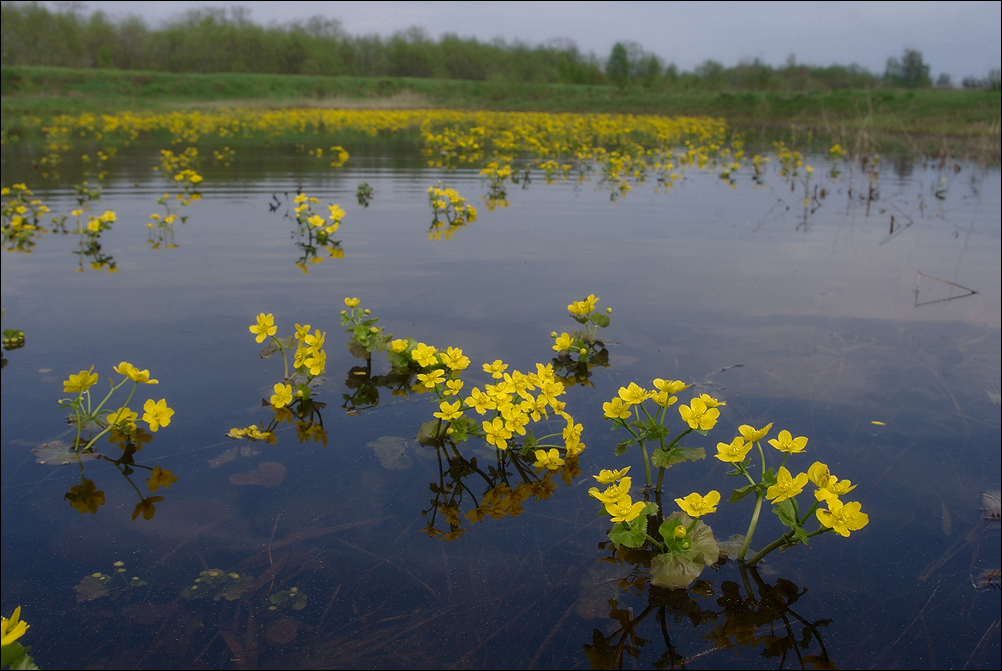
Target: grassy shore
x=926, y=121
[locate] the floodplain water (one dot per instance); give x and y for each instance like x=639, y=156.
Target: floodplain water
x=867, y=321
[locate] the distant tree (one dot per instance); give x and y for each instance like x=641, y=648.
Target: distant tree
x=943, y=81
x=618, y=67
x=910, y=72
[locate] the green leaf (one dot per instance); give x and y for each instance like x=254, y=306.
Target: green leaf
x=273, y=347
x=15, y=656
x=741, y=492
x=600, y=319
x=630, y=534
x=787, y=513
x=667, y=458
x=57, y=454
x=580, y=319
x=623, y=445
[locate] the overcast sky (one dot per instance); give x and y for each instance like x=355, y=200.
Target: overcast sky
x=959, y=38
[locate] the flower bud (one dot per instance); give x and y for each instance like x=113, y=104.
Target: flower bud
x=608, y=311
x=553, y=334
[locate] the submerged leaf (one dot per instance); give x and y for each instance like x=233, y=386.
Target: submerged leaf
x=392, y=452
x=268, y=474
x=57, y=454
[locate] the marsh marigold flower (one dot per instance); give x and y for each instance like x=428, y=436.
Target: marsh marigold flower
x=13, y=628
x=698, y=416
x=786, y=485
x=751, y=434
x=157, y=414
x=733, y=452
x=787, y=443
x=265, y=326
x=843, y=518
x=80, y=382
x=695, y=505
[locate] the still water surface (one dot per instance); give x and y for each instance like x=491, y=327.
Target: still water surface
x=821, y=318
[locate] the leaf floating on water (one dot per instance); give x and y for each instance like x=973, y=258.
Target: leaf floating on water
x=232, y=454
x=92, y=587
x=57, y=454
x=991, y=506
x=392, y=452
x=268, y=474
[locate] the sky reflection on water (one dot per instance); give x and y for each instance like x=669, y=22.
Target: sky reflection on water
x=811, y=323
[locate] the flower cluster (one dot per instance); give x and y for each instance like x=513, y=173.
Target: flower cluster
x=317, y=231
x=583, y=343
x=119, y=424
x=20, y=218
x=450, y=206
x=292, y=400
x=679, y=558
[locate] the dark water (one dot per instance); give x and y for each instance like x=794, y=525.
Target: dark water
x=803, y=316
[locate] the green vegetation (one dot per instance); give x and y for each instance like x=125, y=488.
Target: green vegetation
x=922, y=120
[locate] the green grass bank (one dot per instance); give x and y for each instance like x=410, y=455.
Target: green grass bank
x=930, y=121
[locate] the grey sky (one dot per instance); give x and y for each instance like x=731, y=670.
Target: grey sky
x=959, y=38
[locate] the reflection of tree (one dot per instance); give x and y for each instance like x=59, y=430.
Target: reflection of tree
x=497, y=490
x=758, y=617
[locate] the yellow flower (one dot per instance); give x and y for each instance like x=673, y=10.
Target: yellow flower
x=613, y=492
x=786, y=486
x=695, y=505
x=429, y=380
x=550, y=460
x=123, y=417
x=496, y=369
x=843, y=518
x=787, y=443
x=633, y=394
x=399, y=346
x=80, y=382
x=453, y=358
x=616, y=409
x=449, y=411
x=710, y=401
x=351, y=302
x=424, y=355
x=480, y=401
x=670, y=386
x=141, y=376
x=160, y=478
x=698, y=415
x=156, y=414
x=265, y=326
x=605, y=476
x=563, y=342
x=624, y=510
x=735, y=452
x=13, y=628
x=751, y=434
x=282, y=396
x=828, y=486
x=497, y=433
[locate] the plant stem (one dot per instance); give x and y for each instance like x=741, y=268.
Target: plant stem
x=751, y=526
x=647, y=463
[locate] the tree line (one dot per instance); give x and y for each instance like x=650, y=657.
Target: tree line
x=221, y=40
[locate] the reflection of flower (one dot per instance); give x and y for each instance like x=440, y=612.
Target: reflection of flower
x=146, y=507
x=85, y=497
x=843, y=518
x=160, y=478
